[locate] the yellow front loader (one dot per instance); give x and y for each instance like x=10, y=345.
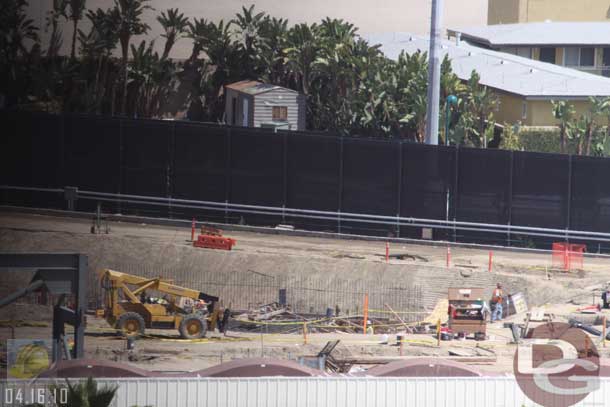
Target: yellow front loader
x=128, y=308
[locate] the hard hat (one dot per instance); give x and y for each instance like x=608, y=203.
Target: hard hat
x=32, y=359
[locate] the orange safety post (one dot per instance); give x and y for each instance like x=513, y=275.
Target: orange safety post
x=387, y=252
x=366, y=313
x=193, y=231
x=448, y=256
x=491, y=257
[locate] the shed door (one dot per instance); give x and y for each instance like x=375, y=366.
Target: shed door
x=245, y=113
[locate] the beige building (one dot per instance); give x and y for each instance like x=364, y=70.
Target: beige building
x=524, y=86
x=527, y=11
x=578, y=45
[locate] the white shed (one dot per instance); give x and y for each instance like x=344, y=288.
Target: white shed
x=256, y=104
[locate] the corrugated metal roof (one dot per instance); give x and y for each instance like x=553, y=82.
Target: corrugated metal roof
x=254, y=87
x=547, y=33
x=502, y=71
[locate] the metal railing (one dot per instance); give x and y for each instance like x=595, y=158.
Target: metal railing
x=72, y=194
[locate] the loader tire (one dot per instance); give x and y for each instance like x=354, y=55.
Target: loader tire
x=131, y=325
x=193, y=326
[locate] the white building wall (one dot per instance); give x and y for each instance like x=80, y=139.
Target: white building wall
x=311, y=391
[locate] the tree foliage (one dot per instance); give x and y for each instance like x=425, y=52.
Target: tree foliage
x=350, y=86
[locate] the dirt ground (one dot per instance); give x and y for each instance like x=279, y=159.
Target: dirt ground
x=559, y=293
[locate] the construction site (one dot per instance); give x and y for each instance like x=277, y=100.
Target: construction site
x=289, y=296
x=178, y=259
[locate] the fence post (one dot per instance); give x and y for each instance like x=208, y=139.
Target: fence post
x=366, y=313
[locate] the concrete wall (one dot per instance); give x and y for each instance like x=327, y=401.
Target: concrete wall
x=524, y=11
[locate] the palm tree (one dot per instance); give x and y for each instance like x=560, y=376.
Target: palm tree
x=248, y=25
x=413, y=83
x=564, y=112
x=129, y=14
x=270, y=56
x=16, y=30
x=175, y=25
x=301, y=54
x=481, y=103
x=77, y=8
x=55, y=41
x=97, y=45
x=88, y=394
x=598, y=107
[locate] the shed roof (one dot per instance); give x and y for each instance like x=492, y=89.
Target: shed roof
x=254, y=87
x=542, y=34
x=505, y=72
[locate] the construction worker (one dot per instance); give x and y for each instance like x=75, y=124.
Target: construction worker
x=606, y=297
x=496, y=303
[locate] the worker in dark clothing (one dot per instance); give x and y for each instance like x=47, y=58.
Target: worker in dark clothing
x=606, y=297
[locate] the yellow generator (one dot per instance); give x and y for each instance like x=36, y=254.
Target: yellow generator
x=128, y=308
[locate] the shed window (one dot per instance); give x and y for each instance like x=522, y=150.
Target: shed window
x=280, y=113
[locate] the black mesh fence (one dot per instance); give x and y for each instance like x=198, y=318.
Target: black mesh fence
x=313, y=175
x=370, y=184
x=200, y=169
x=307, y=171
x=483, y=192
x=428, y=177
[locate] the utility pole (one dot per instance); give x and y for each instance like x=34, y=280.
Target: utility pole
x=434, y=73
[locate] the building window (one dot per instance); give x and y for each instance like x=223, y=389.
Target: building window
x=548, y=55
x=524, y=52
x=524, y=111
x=587, y=56
x=572, y=56
x=280, y=113
x=579, y=57
x=606, y=62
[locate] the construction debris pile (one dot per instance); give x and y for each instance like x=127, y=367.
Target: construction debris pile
x=275, y=317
